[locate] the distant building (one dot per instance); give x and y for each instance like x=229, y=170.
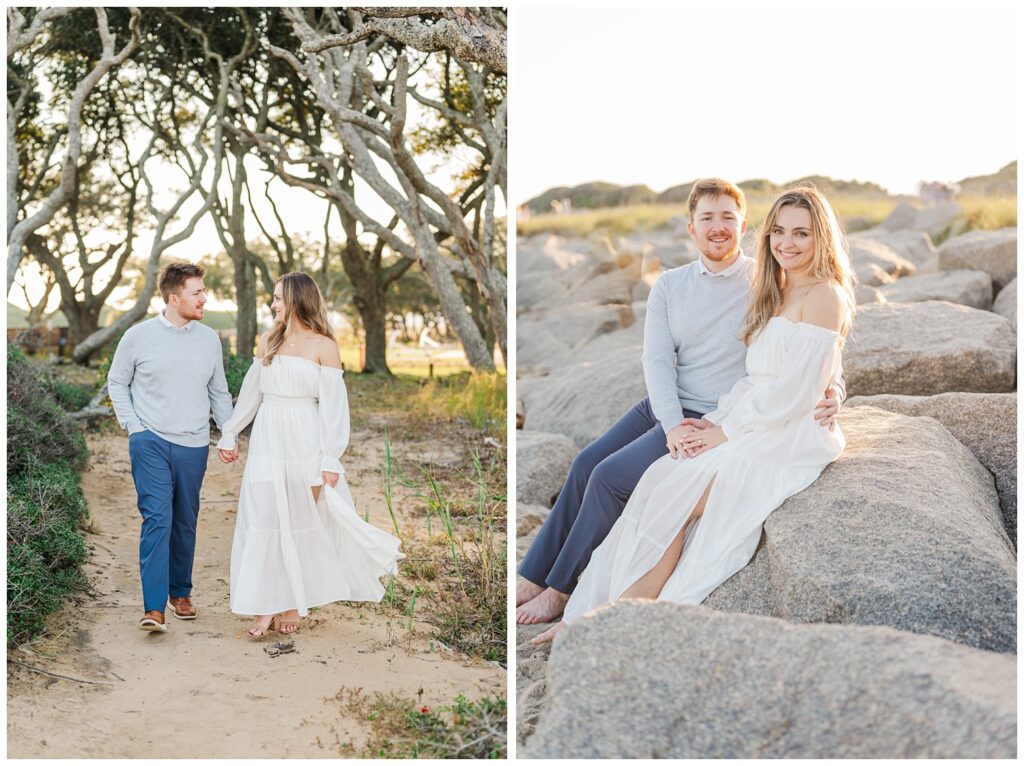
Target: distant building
x=934, y=192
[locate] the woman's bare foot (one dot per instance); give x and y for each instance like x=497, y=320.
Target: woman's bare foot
x=261, y=626
x=526, y=591
x=289, y=622
x=549, y=635
x=545, y=607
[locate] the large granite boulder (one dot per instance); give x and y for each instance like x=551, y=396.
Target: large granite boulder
x=868, y=252
x=545, y=338
x=604, y=379
x=914, y=246
x=548, y=252
x=967, y=287
x=867, y=294
x=903, y=530
x=903, y=216
x=1005, y=303
x=991, y=251
x=658, y=680
x=929, y=348
x=984, y=423
x=542, y=463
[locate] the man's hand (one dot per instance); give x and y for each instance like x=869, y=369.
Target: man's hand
x=827, y=409
x=228, y=455
x=701, y=440
x=674, y=440
x=330, y=478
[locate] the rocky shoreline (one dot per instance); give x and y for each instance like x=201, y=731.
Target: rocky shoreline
x=878, y=616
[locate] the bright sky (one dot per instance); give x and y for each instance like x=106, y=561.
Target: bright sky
x=666, y=95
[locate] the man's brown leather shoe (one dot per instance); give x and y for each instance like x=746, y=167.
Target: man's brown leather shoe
x=153, y=621
x=181, y=607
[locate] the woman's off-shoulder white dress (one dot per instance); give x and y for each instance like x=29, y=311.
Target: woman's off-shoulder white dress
x=774, y=449
x=289, y=551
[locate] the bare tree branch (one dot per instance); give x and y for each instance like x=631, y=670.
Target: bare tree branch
x=108, y=60
x=459, y=30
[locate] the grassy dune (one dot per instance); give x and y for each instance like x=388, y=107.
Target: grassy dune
x=856, y=211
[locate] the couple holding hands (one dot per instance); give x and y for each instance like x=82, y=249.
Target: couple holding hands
x=298, y=540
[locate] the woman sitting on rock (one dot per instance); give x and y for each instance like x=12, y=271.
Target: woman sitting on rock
x=693, y=523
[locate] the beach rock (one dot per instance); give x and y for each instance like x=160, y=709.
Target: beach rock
x=547, y=337
x=929, y=348
x=903, y=530
x=914, y=246
x=869, y=251
x=903, y=216
x=871, y=274
x=1005, y=303
x=940, y=220
x=991, y=251
x=548, y=252
x=866, y=294
x=584, y=399
x=542, y=463
x=529, y=517
x=984, y=423
x=658, y=680
x=964, y=286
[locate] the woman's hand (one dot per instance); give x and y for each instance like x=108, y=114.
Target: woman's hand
x=228, y=455
x=330, y=478
x=697, y=442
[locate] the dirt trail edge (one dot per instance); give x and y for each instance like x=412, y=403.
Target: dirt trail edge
x=203, y=688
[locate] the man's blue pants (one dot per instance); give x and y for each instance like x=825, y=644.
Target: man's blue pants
x=167, y=480
x=601, y=479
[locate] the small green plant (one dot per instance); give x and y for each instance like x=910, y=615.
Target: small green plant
x=402, y=728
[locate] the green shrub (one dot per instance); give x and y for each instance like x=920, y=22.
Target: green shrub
x=38, y=429
x=45, y=505
x=235, y=367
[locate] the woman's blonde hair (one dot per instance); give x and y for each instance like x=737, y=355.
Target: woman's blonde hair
x=303, y=303
x=829, y=261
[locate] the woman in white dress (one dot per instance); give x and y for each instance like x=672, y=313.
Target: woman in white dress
x=693, y=522
x=298, y=540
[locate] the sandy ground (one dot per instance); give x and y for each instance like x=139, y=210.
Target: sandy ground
x=203, y=688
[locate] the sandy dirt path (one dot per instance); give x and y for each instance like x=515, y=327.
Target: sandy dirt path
x=203, y=689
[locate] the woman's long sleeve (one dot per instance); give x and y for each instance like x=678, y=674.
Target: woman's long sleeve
x=812, y=361
x=334, y=419
x=249, y=400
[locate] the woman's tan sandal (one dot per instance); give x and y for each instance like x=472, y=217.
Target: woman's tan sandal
x=257, y=631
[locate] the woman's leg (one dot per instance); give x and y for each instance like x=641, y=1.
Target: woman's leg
x=650, y=584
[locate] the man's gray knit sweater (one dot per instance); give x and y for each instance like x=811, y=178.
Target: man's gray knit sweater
x=692, y=351
x=166, y=379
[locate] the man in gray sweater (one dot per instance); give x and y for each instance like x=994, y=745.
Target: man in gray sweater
x=692, y=356
x=166, y=376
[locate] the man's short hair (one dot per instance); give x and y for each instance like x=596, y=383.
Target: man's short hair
x=172, y=277
x=715, y=187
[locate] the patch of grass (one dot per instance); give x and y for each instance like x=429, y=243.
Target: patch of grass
x=401, y=728
x=608, y=221
x=479, y=397
x=995, y=212
x=459, y=572
x=857, y=211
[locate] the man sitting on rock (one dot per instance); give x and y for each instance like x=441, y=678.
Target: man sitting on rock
x=692, y=355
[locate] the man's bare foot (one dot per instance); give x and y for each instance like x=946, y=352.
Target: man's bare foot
x=548, y=635
x=526, y=591
x=546, y=607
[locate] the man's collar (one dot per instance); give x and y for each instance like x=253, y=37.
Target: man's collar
x=168, y=323
x=733, y=268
